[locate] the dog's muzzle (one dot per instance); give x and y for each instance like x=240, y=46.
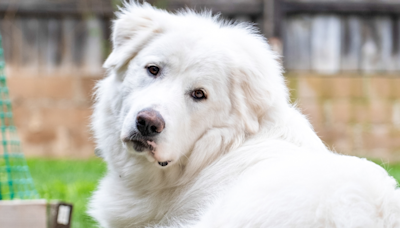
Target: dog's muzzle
x=149, y=123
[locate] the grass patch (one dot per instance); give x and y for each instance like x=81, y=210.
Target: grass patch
x=74, y=181
x=392, y=169
x=68, y=180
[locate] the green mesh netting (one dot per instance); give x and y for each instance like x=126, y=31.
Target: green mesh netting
x=15, y=180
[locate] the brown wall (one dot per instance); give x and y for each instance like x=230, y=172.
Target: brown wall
x=52, y=114
x=353, y=114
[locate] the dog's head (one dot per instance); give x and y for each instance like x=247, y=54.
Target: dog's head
x=184, y=88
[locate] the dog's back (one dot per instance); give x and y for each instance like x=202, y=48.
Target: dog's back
x=304, y=189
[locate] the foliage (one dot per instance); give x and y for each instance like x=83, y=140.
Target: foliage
x=70, y=181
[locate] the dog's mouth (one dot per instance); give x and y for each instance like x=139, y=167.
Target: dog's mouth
x=139, y=143
x=164, y=163
x=142, y=144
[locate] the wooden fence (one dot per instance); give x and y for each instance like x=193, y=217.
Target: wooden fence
x=322, y=36
x=341, y=36
x=55, y=39
x=342, y=59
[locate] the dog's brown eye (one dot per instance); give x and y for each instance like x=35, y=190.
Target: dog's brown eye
x=198, y=94
x=153, y=70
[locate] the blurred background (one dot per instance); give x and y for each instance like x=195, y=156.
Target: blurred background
x=342, y=61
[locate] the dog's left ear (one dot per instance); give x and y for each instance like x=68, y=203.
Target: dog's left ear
x=246, y=100
x=135, y=26
x=257, y=92
x=259, y=89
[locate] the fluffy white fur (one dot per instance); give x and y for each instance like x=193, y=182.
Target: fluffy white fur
x=244, y=157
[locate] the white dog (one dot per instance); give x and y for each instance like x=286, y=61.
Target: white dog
x=196, y=128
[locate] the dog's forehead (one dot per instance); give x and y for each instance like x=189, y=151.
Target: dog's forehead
x=190, y=51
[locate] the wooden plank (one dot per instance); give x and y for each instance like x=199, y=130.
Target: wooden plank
x=242, y=18
x=279, y=17
x=80, y=33
x=384, y=31
x=396, y=42
x=360, y=7
x=23, y=214
x=93, y=47
x=107, y=47
x=30, y=44
x=351, y=43
x=350, y=7
x=225, y=7
x=104, y=7
x=16, y=33
x=297, y=45
x=325, y=44
x=45, y=7
x=68, y=30
x=54, y=44
x=369, y=48
x=377, y=45
x=43, y=43
x=268, y=18
x=6, y=34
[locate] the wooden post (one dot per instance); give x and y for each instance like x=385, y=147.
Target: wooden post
x=35, y=214
x=351, y=43
x=297, y=33
x=268, y=18
x=325, y=44
x=23, y=214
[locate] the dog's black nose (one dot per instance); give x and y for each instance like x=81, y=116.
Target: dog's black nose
x=149, y=122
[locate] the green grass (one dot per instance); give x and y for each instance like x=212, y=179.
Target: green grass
x=74, y=181
x=70, y=181
x=392, y=169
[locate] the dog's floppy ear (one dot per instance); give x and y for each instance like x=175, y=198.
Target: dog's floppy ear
x=258, y=85
x=246, y=101
x=135, y=26
x=257, y=92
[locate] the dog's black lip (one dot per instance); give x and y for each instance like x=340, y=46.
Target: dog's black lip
x=139, y=142
x=140, y=145
x=163, y=163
